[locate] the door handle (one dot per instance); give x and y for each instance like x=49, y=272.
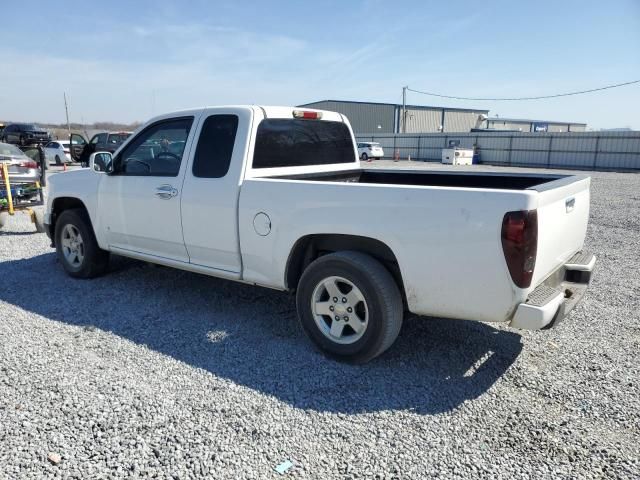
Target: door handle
x=166, y=192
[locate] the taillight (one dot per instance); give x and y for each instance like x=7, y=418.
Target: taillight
x=520, y=245
x=307, y=115
x=28, y=164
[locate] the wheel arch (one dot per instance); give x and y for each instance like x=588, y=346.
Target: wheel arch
x=61, y=204
x=310, y=247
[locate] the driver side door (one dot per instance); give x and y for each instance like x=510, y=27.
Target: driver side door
x=139, y=201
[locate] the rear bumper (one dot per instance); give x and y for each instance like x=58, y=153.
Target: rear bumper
x=552, y=300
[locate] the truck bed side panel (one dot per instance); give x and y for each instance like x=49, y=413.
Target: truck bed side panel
x=446, y=240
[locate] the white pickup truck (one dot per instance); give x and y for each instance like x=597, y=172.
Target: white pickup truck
x=276, y=196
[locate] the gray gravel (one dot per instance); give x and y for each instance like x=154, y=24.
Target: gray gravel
x=154, y=372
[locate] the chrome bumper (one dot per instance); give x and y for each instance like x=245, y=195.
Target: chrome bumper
x=553, y=299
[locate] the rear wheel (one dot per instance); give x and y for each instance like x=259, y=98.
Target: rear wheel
x=76, y=245
x=350, y=306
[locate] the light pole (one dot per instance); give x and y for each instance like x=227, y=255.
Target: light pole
x=66, y=109
x=404, y=109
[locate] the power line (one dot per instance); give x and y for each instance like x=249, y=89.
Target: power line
x=607, y=87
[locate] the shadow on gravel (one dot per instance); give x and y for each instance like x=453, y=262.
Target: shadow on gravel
x=250, y=336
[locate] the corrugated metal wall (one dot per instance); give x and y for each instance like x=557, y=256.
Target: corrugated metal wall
x=421, y=120
x=456, y=121
x=364, y=117
x=553, y=127
x=579, y=150
x=505, y=125
x=558, y=127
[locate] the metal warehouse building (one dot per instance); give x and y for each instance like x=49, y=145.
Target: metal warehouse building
x=369, y=117
x=534, y=126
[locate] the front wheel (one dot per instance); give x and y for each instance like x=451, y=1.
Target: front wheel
x=364, y=157
x=350, y=306
x=38, y=219
x=76, y=245
x=58, y=161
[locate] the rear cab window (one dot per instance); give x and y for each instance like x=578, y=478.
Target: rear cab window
x=282, y=142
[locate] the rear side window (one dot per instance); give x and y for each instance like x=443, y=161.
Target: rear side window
x=298, y=142
x=215, y=146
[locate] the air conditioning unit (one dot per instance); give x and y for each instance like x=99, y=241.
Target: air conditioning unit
x=457, y=156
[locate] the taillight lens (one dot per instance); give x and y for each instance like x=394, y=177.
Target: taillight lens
x=28, y=164
x=520, y=245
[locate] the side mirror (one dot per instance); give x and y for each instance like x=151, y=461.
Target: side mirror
x=101, y=162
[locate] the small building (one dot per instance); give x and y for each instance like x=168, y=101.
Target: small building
x=533, y=126
x=372, y=117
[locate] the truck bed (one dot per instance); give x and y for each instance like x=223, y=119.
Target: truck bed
x=489, y=180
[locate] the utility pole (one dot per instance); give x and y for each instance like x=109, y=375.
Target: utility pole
x=404, y=109
x=66, y=109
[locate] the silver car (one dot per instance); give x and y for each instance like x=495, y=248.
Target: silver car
x=22, y=169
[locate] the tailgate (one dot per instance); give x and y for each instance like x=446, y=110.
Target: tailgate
x=563, y=213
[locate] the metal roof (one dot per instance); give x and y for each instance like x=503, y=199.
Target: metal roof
x=425, y=107
x=526, y=120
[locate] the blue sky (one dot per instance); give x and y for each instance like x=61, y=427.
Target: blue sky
x=127, y=60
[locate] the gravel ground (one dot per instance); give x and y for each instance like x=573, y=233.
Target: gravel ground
x=154, y=372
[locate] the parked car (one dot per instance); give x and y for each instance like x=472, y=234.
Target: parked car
x=369, y=150
x=24, y=134
x=276, y=197
x=21, y=168
x=100, y=142
x=58, y=152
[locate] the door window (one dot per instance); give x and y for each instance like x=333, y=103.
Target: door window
x=215, y=146
x=156, y=151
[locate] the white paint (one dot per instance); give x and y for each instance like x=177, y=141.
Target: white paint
x=446, y=240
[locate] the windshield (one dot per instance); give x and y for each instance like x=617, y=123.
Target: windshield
x=10, y=150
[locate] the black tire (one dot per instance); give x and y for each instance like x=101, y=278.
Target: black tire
x=382, y=298
x=38, y=220
x=22, y=141
x=95, y=260
x=58, y=162
x=364, y=157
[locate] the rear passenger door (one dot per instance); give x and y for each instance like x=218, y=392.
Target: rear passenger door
x=211, y=190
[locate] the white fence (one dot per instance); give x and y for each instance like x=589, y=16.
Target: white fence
x=574, y=150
